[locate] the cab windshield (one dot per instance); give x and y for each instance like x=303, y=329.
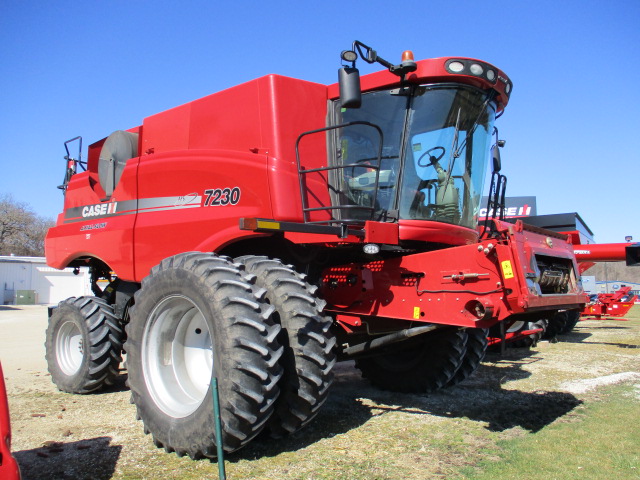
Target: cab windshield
x=442, y=133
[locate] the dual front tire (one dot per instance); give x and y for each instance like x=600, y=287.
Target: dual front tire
x=195, y=318
x=308, y=357
x=254, y=324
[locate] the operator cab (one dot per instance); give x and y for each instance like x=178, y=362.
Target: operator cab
x=408, y=146
x=435, y=146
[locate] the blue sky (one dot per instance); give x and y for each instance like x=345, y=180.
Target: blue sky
x=89, y=68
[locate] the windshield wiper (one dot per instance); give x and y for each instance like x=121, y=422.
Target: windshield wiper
x=455, y=149
x=456, y=154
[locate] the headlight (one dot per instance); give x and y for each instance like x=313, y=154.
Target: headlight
x=476, y=69
x=371, y=248
x=455, y=67
x=471, y=67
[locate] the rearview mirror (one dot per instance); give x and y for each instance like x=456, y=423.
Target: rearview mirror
x=497, y=162
x=349, y=82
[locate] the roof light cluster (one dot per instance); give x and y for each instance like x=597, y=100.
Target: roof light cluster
x=476, y=69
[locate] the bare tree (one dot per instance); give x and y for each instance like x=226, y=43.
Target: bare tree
x=22, y=232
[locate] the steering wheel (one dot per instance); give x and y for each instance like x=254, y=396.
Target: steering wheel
x=432, y=158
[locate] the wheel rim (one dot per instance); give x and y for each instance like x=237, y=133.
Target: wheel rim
x=69, y=348
x=516, y=326
x=177, y=356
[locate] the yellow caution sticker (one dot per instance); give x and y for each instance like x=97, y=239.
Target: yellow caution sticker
x=507, y=270
x=416, y=313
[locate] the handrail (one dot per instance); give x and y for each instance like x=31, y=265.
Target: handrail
x=306, y=210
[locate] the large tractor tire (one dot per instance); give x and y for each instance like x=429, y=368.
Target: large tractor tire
x=556, y=325
x=197, y=317
x=573, y=317
x=308, y=356
x=421, y=365
x=476, y=348
x=83, y=345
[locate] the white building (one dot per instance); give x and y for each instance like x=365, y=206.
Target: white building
x=589, y=284
x=29, y=280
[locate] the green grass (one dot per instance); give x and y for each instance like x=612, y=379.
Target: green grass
x=604, y=443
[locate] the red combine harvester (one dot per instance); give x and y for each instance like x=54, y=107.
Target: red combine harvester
x=260, y=233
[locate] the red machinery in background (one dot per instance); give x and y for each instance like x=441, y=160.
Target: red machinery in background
x=619, y=302
x=587, y=255
x=616, y=304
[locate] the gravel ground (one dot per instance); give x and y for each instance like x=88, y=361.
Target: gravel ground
x=62, y=436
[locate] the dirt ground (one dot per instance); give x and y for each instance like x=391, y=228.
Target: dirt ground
x=62, y=436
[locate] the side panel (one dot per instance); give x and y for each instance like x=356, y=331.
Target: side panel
x=293, y=107
x=263, y=116
x=90, y=227
x=192, y=200
x=538, y=259
x=468, y=286
x=443, y=287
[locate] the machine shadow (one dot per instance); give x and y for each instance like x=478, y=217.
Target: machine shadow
x=608, y=327
x=481, y=398
x=500, y=409
x=575, y=336
x=94, y=458
x=343, y=411
x=620, y=345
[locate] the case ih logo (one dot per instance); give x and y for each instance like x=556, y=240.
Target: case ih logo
x=100, y=209
x=132, y=207
x=515, y=207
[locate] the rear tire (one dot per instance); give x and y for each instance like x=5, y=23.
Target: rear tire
x=476, y=348
x=83, y=345
x=197, y=317
x=308, y=357
x=421, y=365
